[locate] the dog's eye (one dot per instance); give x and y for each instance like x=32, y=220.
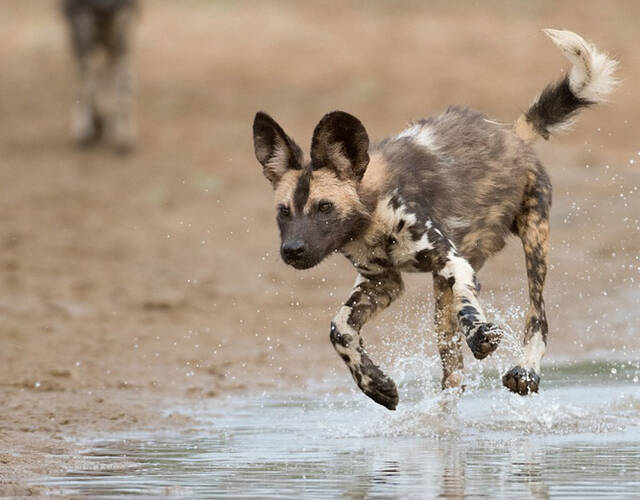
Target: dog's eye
x=325, y=207
x=283, y=211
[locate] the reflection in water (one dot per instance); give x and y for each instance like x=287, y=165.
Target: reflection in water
x=453, y=473
x=575, y=440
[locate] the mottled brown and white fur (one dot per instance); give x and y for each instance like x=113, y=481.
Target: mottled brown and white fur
x=101, y=32
x=441, y=197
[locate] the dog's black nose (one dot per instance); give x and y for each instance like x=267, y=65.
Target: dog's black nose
x=292, y=250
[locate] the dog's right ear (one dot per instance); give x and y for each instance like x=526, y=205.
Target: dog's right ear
x=275, y=150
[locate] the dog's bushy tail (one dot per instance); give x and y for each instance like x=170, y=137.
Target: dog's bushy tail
x=590, y=81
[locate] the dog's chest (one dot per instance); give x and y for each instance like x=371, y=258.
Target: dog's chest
x=396, y=239
x=389, y=251
x=368, y=259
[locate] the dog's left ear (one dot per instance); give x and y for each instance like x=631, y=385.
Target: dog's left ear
x=340, y=142
x=275, y=150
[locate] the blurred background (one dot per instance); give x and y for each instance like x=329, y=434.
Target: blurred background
x=158, y=273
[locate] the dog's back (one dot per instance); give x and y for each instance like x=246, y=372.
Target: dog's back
x=475, y=175
x=467, y=171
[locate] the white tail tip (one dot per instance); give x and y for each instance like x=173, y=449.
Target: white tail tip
x=592, y=74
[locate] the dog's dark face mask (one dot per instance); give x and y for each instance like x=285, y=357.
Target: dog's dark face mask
x=317, y=203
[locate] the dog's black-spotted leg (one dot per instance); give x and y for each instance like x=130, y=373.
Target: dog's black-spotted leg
x=369, y=296
x=482, y=337
x=533, y=228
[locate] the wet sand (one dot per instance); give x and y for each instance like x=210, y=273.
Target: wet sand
x=133, y=284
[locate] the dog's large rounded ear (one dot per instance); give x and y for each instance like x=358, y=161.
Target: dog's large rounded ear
x=275, y=150
x=340, y=142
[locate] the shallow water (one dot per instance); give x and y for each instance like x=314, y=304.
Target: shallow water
x=579, y=438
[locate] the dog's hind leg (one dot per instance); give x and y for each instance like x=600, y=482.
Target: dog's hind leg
x=369, y=296
x=121, y=77
x=532, y=225
x=86, y=125
x=449, y=341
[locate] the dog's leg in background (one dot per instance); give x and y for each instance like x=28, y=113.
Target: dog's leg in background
x=85, y=124
x=369, y=296
x=121, y=78
x=533, y=228
x=449, y=341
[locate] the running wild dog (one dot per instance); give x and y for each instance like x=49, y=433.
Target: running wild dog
x=101, y=38
x=441, y=197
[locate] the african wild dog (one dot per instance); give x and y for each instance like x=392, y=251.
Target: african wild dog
x=101, y=38
x=441, y=197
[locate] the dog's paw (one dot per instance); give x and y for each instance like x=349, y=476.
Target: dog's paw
x=521, y=380
x=383, y=391
x=87, y=130
x=84, y=139
x=484, y=340
x=453, y=381
x=123, y=147
x=123, y=142
x=375, y=384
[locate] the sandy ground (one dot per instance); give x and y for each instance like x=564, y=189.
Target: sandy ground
x=128, y=284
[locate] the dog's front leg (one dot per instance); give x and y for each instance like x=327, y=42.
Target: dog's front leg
x=369, y=296
x=482, y=337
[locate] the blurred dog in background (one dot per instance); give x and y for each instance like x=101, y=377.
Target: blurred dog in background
x=101, y=32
